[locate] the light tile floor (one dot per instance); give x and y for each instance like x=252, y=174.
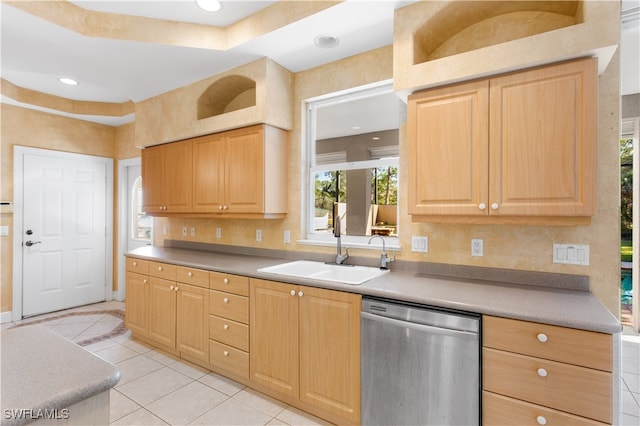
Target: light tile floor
x=157, y=389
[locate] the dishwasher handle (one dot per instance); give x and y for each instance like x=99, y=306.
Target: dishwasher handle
x=420, y=327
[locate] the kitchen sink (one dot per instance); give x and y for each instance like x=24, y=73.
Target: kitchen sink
x=344, y=274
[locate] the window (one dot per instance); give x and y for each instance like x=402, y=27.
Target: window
x=140, y=222
x=352, y=165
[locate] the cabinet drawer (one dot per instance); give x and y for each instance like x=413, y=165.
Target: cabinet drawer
x=162, y=270
x=501, y=410
x=228, y=358
x=577, y=390
x=579, y=347
x=197, y=277
x=229, y=283
x=138, y=265
x=229, y=332
x=229, y=305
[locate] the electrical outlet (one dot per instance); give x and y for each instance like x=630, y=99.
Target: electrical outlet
x=419, y=244
x=218, y=233
x=193, y=231
x=287, y=237
x=184, y=231
x=258, y=234
x=477, y=247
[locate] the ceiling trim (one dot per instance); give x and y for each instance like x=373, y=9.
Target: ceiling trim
x=71, y=106
x=159, y=31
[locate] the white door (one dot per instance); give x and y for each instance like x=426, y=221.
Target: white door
x=63, y=232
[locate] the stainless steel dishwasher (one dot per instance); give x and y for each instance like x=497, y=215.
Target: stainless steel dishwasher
x=420, y=365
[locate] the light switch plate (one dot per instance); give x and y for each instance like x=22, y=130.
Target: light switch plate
x=4, y=230
x=571, y=254
x=419, y=244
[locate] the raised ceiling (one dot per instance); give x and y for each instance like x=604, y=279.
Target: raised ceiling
x=123, y=52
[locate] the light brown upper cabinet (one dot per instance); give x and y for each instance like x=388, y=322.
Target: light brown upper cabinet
x=166, y=178
x=514, y=148
x=241, y=172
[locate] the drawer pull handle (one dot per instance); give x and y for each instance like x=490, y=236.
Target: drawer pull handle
x=225, y=353
x=541, y=420
x=190, y=274
x=226, y=281
x=542, y=338
x=225, y=300
x=135, y=263
x=226, y=326
x=542, y=372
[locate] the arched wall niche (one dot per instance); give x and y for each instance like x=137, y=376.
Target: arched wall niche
x=467, y=25
x=228, y=94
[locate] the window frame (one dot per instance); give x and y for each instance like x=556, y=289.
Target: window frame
x=309, y=168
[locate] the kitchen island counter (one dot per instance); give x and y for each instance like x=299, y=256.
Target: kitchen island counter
x=47, y=377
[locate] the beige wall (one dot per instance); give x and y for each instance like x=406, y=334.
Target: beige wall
x=505, y=246
x=25, y=127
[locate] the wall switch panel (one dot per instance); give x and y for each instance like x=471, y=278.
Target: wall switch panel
x=258, y=234
x=218, y=233
x=287, y=237
x=193, y=231
x=419, y=244
x=165, y=229
x=571, y=254
x=4, y=230
x=184, y=231
x=477, y=248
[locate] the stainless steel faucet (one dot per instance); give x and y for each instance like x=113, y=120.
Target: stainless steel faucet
x=384, y=259
x=340, y=258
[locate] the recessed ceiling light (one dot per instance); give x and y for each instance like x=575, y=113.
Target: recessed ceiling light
x=209, y=5
x=375, y=138
x=326, y=41
x=68, y=81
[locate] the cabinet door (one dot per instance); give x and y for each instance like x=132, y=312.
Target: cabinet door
x=136, y=312
x=208, y=174
x=192, y=321
x=153, y=178
x=448, y=150
x=330, y=351
x=244, y=176
x=178, y=179
x=543, y=141
x=274, y=336
x=162, y=312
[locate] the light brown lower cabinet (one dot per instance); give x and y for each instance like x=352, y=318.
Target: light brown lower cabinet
x=305, y=345
x=540, y=374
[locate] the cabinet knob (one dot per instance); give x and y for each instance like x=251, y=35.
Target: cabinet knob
x=190, y=274
x=542, y=372
x=225, y=300
x=226, y=281
x=226, y=326
x=176, y=288
x=171, y=288
x=300, y=293
x=541, y=420
x=293, y=292
x=135, y=263
x=542, y=338
x=160, y=268
x=225, y=207
x=495, y=206
x=144, y=281
x=225, y=353
x=482, y=206
x=219, y=207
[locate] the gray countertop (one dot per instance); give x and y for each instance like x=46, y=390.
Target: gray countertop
x=42, y=370
x=567, y=307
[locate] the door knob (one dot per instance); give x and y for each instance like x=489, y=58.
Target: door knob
x=31, y=243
